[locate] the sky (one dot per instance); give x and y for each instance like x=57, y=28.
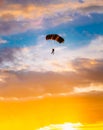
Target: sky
x=41, y=91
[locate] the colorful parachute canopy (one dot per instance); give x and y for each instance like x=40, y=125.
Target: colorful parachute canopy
x=55, y=37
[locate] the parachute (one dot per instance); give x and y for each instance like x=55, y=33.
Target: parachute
x=56, y=37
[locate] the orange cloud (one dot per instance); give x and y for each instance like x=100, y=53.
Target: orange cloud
x=34, y=15
x=87, y=75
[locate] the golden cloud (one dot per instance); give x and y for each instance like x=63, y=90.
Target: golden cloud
x=22, y=16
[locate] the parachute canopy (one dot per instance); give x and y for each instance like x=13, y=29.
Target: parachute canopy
x=55, y=37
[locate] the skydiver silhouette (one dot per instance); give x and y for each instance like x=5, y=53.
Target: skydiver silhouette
x=52, y=51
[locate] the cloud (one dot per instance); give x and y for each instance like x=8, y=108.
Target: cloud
x=61, y=126
x=73, y=126
x=2, y=78
x=87, y=74
x=91, y=88
x=92, y=9
x=93, y=50
x=25, y=99
x=38, y=58
x=18, y=16
x=88, y=105
x=1, y=2
x=39, y=2
x=45, y=73
x=35, y=2
x=7, y=55
x=89, y=69
x=81, y=1
x=36, y=71
x=14, y=26
x=2, y=41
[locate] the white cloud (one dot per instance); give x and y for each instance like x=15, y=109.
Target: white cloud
x=73, y=126
x=91, y=88
x=65, y=126
x=94, y=49
x=39, y=57
x=2, y=41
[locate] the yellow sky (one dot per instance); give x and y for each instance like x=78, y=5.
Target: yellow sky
x=32, y=115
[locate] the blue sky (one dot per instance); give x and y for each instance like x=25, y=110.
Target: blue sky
x=79, y=32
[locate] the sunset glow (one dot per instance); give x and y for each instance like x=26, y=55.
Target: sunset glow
x=53, y=83
x=66, y=126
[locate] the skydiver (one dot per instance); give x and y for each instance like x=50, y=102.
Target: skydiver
x=52, y=51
